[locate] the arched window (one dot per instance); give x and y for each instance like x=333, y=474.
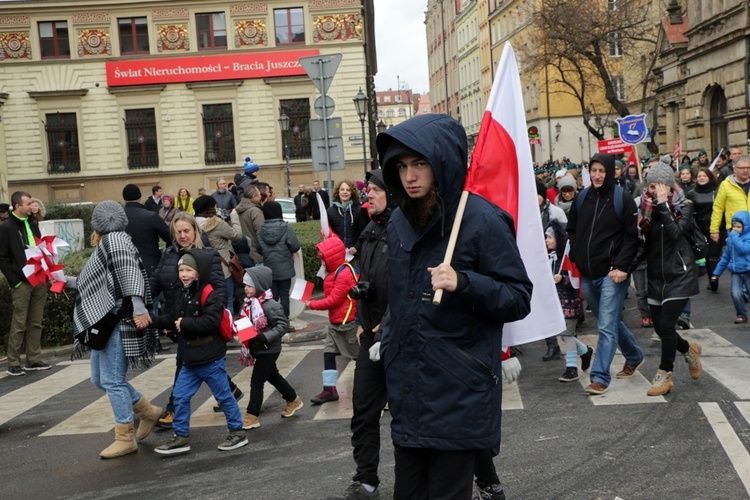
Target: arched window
x=719, y=128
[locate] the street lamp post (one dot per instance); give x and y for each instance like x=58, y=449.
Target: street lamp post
x=360, y=103
x=587, y=117
x=284, y=122
x=381, y=127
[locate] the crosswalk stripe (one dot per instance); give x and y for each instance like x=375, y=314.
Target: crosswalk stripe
x=744, y=407
x=205, y=416
x=626, y=391
x=344, y=407
x=723, y=360
x=98, y=416
x=511, y=396
x=28, y=396
x=729, y=440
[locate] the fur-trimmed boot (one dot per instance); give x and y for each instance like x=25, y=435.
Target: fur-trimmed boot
x=124, y=442
x=148, y=415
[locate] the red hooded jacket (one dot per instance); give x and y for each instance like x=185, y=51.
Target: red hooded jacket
x=341, y=308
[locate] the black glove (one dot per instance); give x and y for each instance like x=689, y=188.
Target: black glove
x=259, y=341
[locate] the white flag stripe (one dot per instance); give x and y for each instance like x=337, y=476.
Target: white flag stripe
x=21, y=400
x=323, y=217
x=729, y=440
x=506, y=105
x=344, y=407
x=98, y=416
x=725, y=362
x=298, y=289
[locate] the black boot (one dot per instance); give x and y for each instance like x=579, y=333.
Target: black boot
x=553, y=352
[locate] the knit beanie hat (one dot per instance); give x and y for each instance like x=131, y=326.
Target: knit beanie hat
x=272, y=210
x=571, y=166
x=360, y=185
x=560, y=174
x=567, y=181
x=131, y=192
x=168, y=198
x=250, y=166
x=685, y=166
x=247, y=280
x=661, y=172
x=108, y=216
x=188, y=260
x=203, y=203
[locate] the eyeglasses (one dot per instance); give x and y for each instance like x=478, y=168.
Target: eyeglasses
x=741, y=168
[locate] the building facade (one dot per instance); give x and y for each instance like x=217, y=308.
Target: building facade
x=395, y=106
x=469, y=70
x=99, y=94
x=441, y=56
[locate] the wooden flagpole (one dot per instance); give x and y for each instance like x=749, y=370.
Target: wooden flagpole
x=452, y=240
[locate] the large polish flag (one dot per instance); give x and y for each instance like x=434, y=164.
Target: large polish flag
x=502, y=171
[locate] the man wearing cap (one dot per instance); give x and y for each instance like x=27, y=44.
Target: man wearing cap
x=603, y=244
x=145, y=228
x=442, y=362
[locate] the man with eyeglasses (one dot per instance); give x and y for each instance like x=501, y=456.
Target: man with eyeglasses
x=732, y=196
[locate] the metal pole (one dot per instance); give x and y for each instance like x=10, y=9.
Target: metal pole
x=588, y=134
x=288, y=181
x=320, y=63
x=364, y=148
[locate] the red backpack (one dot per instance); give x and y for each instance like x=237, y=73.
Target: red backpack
x=226, y=327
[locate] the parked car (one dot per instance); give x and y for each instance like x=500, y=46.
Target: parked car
x=287, y=208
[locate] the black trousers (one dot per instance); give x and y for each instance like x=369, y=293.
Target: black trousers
x=665, y=317
x=433, y=474
x=265, y=370
x=368, y=399
x=484, y=469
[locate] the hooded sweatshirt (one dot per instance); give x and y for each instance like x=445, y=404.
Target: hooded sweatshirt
x=736, y=256
x=277, y=322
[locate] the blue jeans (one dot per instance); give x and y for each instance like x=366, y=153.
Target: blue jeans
x=738, y=280
x=214, y=374
x=230, y=295
x=108, y=370
x=606, y=299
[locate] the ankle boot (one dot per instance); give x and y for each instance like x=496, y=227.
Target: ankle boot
x=662, y=384
x=148, y=415
x=124, y=442
x=329, y=394
x=553, y=352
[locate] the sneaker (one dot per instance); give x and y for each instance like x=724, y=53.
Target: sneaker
x=629, y=370
x=570, y=375
x=740, y=319
x=647, y=322
x=491, y=492
x=586, y=359
x=662, y=384
x=596, y=388
x=291, y=407
x=165, y=422
x=39, y=365
x=250, y=421
x=356, y=492
x=655, y=337
x=328, y=394
x=235, y=439
x=684, y=322
x=693, y=358
x=15, y=371
x=237, y=393
x=177, y=446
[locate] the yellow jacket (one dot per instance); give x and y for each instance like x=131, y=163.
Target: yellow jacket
x=730, y=199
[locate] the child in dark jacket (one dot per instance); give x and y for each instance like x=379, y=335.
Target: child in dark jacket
x=204, y=356
x=270, y=322
x=736, y=258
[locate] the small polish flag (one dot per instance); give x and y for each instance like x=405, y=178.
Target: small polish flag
x=302, y=290
x=568, y=265
x=245, y=329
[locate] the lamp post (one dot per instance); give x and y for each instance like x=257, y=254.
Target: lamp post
x=587, y=117
x=360, y=103
x=558, y=128
x=381, y=127
x=284, y=122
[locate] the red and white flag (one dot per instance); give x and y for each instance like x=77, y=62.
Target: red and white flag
x=568, y=265
x=245, y=329
x=325, y=230
x=301, y=290
x=633, y=159
x=502, y=171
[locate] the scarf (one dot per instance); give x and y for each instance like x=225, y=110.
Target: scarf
x=253, y=308
x=113, y=272
x=565, y=205
x=29, y=233
x=645, y=219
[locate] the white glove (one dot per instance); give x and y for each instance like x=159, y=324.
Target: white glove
x=375, y=352
x=511, y=369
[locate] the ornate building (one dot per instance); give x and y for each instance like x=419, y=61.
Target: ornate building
x=441, y=56
x=95, y=95
x=395, y=106
x=469, y=70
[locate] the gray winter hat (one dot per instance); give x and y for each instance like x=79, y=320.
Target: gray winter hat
x=661, y=172
x=108, y=216
x=567, y=181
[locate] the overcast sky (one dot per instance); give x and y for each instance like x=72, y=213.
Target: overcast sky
x=401, y=44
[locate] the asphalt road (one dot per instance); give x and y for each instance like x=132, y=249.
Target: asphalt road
x=557, y=442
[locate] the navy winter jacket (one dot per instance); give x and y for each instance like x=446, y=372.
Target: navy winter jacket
x=442, y=362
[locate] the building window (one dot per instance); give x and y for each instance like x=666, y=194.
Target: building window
x=212, y=31
x=289, y=25
x=401, y=112
x=387, y=98
x=615, y=44
x=133, y=35
x=140, y=127
x=619, y=84
x=62, y=142
x=298, y=111
x=389, y=113
x=53, y=38
x=218, y=131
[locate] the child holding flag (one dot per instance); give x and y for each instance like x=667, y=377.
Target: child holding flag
x=270, y=324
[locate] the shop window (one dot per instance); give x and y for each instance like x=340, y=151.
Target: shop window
x=298, y=111
x=133, y=35
x=62, y=143
x=140, y=127
x=218, y=132
x=212, y=31
x=54, y=40
x=289, y=25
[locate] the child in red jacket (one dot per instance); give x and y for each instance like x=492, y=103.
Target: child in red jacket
x=341, y=334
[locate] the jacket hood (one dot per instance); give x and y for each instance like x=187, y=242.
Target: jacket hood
x=204, y=260
x=743, y=217
x=334, y=252
x=273, y=231
x=262, y=276
x=609, y=167
x=244, y=205
x=441, y=140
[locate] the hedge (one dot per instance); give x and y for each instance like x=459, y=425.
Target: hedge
x=58, y=314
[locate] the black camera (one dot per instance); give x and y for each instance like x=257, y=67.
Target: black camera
x=362, y=291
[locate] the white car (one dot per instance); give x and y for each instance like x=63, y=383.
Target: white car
x=287, y=208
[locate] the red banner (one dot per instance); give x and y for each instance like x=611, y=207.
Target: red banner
x=614, y=147
x=538, y=142
x=238, y=66
x=676, y=152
